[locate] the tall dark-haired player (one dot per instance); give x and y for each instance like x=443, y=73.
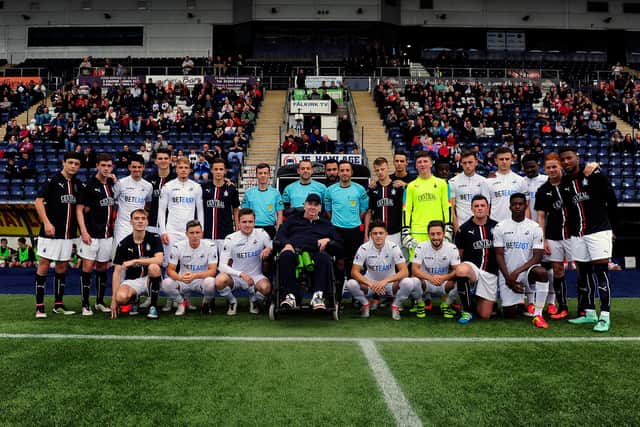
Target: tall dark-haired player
x=158, y=178
x=221, y=203
x=591, y=205
x=96, y=213
x=56, y=204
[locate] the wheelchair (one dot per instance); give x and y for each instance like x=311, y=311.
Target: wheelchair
x=305, y=282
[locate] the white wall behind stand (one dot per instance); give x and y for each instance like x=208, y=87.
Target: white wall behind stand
x=168, y=30
x=329, y=126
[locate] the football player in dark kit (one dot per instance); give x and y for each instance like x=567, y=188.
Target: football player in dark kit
x=56, y=207
x=138, y=258
x=96, y=214
x=591, y=206
x=221, y=202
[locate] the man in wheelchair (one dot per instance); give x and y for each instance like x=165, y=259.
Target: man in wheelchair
x=301, y=234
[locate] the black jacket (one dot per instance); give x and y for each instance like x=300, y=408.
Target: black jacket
x=304, y=234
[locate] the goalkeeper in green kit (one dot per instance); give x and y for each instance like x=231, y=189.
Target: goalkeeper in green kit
x=426, y=199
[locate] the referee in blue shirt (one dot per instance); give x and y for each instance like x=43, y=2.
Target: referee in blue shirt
x=265, y=201
x=346, y=203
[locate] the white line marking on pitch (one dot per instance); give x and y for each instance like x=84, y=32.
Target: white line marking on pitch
x=318, y=339
x=395, y=399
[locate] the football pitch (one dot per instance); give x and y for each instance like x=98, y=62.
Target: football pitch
x=308, y=370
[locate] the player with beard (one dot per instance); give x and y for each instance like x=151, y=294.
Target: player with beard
x=591, y=205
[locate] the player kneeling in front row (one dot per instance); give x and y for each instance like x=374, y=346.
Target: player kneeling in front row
x=477, y=275
x=140, y=255
x=198, y=261
x=519, y=246
x=241, y=264
x=433, y=269
x=385, y=267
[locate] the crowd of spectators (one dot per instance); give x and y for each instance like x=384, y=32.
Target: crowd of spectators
x=14, y=99
x=445, y=117
x=622, y=96
x=215, y=122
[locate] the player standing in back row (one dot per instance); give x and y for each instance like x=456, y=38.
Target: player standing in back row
x=221, y=202
x=131, y=193
x=158, y=179
x=96, y=213
x=56, y=205
x=591, y=205
x=503, y=185
x=426, y=199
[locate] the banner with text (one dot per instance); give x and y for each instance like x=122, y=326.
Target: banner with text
x=234, y=83
x=104, y=81
x=312, y=106
x=189, y=81
x=317, y=81
x=292, y=159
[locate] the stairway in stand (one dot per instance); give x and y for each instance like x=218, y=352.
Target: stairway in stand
x=376, y=140
x=265, y=139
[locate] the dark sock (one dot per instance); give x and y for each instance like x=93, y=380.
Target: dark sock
x=85, y=285
x=58, y=281
x=464, y=292
x=41, y=281
x=601, y=274
x=155, y=290
x=560, y=288
x=585, y=290
x=101, y=286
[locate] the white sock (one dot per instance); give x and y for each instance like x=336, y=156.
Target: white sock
x=541, y=291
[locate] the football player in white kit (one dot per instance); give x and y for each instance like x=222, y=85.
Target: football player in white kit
x=198, y=261
x=463, y=187
x=385, y=266
x=519, y=245
x=241, y=264
x=433, y=269
x=180, y=202
x=131, y=193
x=505, y=183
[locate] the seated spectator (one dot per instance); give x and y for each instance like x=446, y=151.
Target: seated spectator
x=595, y=125
x=236, y=151
x=11, y=170
x=6, y=253
x=25, y=146
x=123, y=157
x=88, y=157
x=326, y=146
x=26, y=165
x=192, y=156
x=187, y=65
x=160, y=143
x=616, y=143
x=289, y=145
x=628, y=144
x=146, y=154
x=25, y=255
x=12, y=129
x=201, y=169
x=12, y=145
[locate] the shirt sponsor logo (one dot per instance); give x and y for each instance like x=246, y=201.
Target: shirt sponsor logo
x=68, y=199
x=250, y=254
x=215, y=204
x=183, y=199
x=517, y=245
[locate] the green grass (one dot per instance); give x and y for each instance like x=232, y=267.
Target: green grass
x=489, y=384
x=228, y=383
x=17, y=316
x=72, y=382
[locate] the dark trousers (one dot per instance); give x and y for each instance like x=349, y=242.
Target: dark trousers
x=287, y=273
x=352, y=238
x=270, y=229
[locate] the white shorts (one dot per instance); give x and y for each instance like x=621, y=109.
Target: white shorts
x=560, y=250
x=196, y=285
x=388, y=291
x=486, y=285
x=509, y=297
x=55, y=249
x=139, y=285
x=431, y=289
x=592, y=247
x=99, y=250
x=238, y=283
